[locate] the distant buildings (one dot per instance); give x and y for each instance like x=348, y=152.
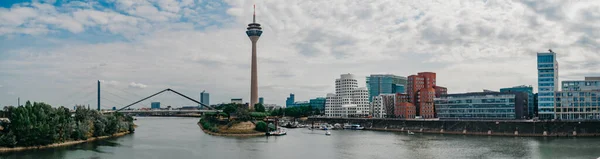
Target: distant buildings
x=482, y=105
x=290, y=100
x=547, y=66
x=271, y=107
x=318, y=103
x=299, y=104
x=349, y=100
x=385, y=84
x=530, y=101
x=237, y=100
x=261, y=100
x=422, y=90
x=578, y=100
x=204, y=98
x=155, y=105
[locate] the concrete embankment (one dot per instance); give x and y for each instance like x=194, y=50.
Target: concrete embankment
x=8, y=149
x=474, y=127
x=230, y=134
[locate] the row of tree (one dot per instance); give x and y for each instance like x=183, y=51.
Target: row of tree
x=240, y=111
x=40, y=124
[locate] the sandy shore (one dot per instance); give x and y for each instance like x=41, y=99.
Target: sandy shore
x=8, y=149
x=232, y=135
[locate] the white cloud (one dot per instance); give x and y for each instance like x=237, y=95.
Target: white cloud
x=306, y=44
x=137, y=85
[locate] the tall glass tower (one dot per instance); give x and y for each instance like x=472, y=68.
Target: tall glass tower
x=254, y=31
x=547, y=84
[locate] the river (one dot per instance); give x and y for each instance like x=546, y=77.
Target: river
x=161, y=137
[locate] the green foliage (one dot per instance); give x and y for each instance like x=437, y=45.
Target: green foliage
x=261, y=126
x=208, y=125
x=258, y=115
x=40, y=124
x=259, y=107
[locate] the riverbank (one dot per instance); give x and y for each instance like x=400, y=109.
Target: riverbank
x=475, y=127
x=68, y=143
x=230, y=134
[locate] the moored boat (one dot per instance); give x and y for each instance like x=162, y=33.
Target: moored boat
x=278, y=132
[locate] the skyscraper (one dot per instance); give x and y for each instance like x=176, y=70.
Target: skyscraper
x=254, y=31
x=547, y=84
x=289, y=101
x=204, y=98
x=385, y=84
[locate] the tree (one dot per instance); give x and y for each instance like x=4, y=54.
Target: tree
x=317, y=111
x=259, y=107
x=261, y=126
x=229, y=109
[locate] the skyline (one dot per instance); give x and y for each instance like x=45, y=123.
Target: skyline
x=48, y=51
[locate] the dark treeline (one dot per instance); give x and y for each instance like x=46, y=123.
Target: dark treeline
x=40, y=124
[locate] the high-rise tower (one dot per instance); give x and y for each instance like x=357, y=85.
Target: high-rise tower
x=254, y=31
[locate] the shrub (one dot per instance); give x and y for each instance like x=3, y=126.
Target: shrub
x=261, y=126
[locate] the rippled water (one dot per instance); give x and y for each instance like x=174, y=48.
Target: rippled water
x=161, y=137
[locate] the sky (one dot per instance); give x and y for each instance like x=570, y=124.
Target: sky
x=55, y=51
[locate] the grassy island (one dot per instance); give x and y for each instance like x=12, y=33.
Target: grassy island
x=237, y=120
x=40, y=125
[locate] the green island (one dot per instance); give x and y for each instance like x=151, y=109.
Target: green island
x=39, y=125
x=238, y=120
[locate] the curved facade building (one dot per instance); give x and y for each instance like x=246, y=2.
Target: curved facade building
x=348, y=100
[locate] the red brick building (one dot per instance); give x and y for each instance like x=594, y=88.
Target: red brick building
x=422, y=90
x=403, y=108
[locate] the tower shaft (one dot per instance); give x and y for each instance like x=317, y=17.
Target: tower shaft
x=254, y=75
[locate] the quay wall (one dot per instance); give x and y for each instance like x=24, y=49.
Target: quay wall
x=474, y=127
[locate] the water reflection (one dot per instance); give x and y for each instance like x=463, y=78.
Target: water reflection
x=182, y=138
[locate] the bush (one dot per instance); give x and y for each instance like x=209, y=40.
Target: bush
x=258, y=115
x=261, y=126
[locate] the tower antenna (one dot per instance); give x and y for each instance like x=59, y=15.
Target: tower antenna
x=254, y=15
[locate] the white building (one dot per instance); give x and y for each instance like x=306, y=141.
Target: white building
x=383, y=105
x=348, y=100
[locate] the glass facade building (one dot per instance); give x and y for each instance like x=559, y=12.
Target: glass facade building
x=530, y=102
x=155, y=105
x=204, y=98
x=578, y=100
x=289, y=101
x=547, y=84
x=318, y=103
x=385, y=84
x=482, y=105
x=261, y=100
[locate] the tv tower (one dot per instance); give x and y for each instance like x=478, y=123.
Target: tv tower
x=254, y=31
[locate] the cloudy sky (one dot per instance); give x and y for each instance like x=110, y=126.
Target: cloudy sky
x=55, y=50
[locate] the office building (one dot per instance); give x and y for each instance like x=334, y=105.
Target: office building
x=271, y=107
x=403, y=108
x=155, y=105
x=204, y=98
x=261, y=100
x=578, y=100
x=383, y=106
x=290, y=100
x=482, y=105
x=318, y=103
x=530, y=102
x=547, y=66
x=348, y=100
x=385, y=84
x=422, y=90
x=254, y=31
x=299, y=104
x=237, y=101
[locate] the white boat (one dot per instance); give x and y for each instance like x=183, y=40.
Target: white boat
x=327, y=133
x=326, y=127
x=278, y=132
x=410, y=132
x=356, y=127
